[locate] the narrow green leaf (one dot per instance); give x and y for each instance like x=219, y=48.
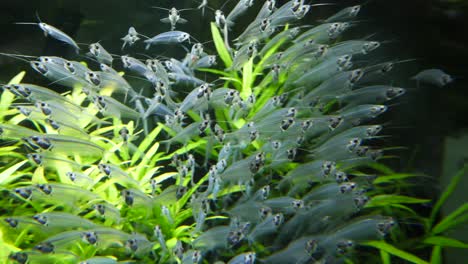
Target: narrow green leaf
x=395, y=251
x=145, y=144
x=7, y=98
x=457, y=217
x=445, y=242
x=223, y=73
x=395, y=177
x=220, y=47
x=446, y=194
x=436, y=256
x=232, y=79
x=247, y=79
x=18, y=78
x=8, y=172
x=386, y=259
x=387, y=199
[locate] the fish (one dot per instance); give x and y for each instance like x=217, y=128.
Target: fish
x=435, y=77
x=131, y=37
x=173, y=17
x=64, y=144
x=97, y=51
x=345, y=14
x=240, y=8
x=169, y=37
x=55, y=33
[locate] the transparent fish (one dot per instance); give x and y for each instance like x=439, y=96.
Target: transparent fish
x=131, y=37
x=170, y=37
x=99, y=260
x=54, y=222
x=346, y=14
x=173, y=17
x=240, y=8
x=244, y=258
x=100, y=54
x=64, y=144
x=376, y=94
x=55, y=33
x=433, y=76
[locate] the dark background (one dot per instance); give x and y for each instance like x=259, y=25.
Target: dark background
x=434, y=32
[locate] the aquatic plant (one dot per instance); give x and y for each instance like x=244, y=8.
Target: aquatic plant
x=273, y=159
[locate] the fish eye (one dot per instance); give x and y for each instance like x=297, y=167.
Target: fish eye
x=91, y=237
x=355, y=10
x=45, y=188
x=132, y=244
x=265, y=211
x=46, y=247
x=298, y=204
x=446, y=79
x=12, y=222
x=311, y=245
x=278, y=219
x=41, y=219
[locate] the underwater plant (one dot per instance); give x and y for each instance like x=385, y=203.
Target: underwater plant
x=274, y=157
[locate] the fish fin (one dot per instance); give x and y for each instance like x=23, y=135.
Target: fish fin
x=165, y=20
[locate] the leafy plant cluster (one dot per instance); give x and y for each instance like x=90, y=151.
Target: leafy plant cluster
x=274, y=161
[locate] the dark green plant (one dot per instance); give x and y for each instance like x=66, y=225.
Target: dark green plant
x=267, y=165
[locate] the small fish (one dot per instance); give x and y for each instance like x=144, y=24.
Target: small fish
x=111, y=107
x=55, y=33
x=173, y=17
x=202, y=6
x=131, y=37
x=205, y=62
x=244, y=258
x=240, y=8
x=323, y=33
x=376, y=94
x=433, y=76
x=64, y=144
x=54, y=222
x=100, y=54
x=99, y=260
x=170, y=37
x=346, y=14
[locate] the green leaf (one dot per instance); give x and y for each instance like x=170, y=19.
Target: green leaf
x=247, y=79
x=394, y=177
x=395, y=251
x=386, y=259
x=446, y=194
x=8, y=172
x=7, y=98
x=220, y=47
x=145, y=144
x=445, y=242
x=457, y=217
x=436, y=256
x=222, y=73
x=388, y=199
x=18, y=78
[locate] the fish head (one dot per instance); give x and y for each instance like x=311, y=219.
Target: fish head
x=183, y=37
x=39, y=67
x=70, y=67
x=354, y=10
x=93, y=78
x=95, y=49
